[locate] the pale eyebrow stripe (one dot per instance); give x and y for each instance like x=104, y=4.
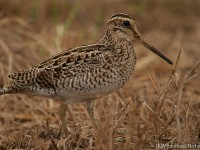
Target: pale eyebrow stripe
x=120, y=18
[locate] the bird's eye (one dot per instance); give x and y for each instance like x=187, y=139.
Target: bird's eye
x=126, y=23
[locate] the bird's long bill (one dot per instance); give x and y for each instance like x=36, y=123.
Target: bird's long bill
x=153, y=49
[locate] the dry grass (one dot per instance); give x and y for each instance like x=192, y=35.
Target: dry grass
x=160, y=104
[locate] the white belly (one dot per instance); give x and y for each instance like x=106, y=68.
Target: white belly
x=85, y=95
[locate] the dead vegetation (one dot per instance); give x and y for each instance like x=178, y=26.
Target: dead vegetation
x=160, y=104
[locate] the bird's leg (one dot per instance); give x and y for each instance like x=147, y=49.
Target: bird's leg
x=62, y=114
x=89, y=106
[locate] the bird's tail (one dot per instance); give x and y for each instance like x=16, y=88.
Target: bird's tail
x=8, y=89
x=2, y=91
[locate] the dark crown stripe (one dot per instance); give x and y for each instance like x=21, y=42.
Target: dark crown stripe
x=122, y=15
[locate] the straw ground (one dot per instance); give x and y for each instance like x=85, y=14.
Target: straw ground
x=153, y=107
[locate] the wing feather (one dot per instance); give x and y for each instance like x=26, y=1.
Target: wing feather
x=61, y=63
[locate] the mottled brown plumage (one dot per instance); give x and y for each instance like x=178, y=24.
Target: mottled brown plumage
x=88, y=72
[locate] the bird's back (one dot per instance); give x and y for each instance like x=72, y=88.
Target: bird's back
x=86, y=70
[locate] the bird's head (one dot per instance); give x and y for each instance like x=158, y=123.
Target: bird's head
x=124, y=26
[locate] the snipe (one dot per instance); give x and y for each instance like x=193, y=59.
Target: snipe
x=88, y=72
